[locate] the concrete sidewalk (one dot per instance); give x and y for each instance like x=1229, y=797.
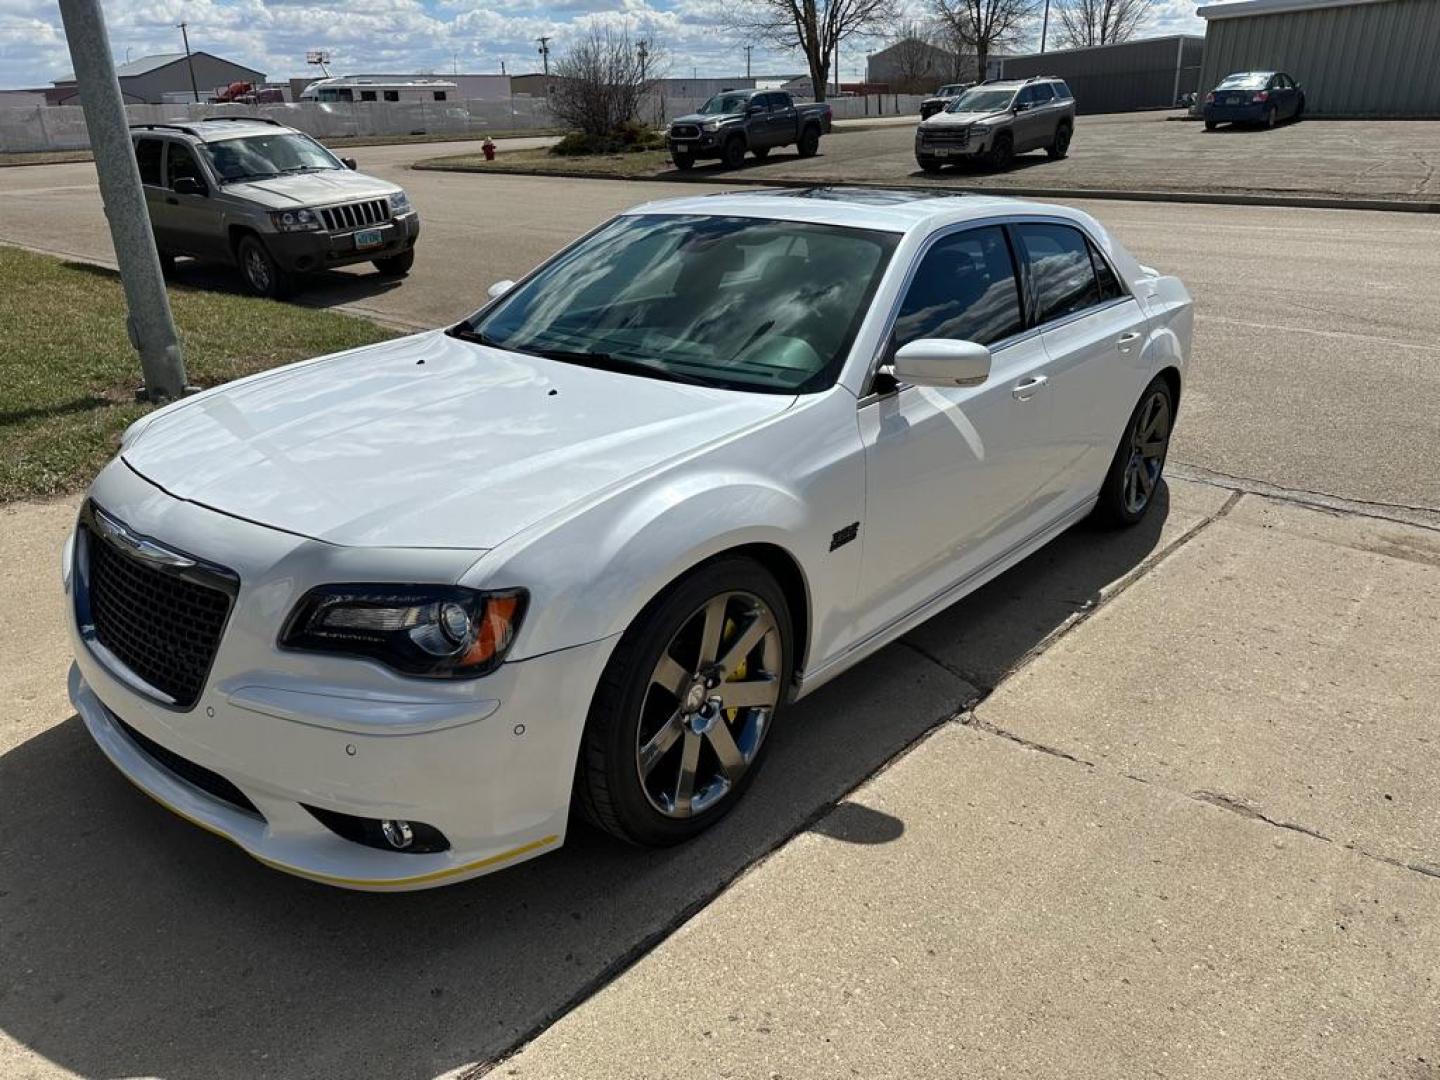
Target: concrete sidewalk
x=1196, y=836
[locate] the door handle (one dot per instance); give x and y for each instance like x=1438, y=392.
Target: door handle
x=1025, y=389
x=1124, y=341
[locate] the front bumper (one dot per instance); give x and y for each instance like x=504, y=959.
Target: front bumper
x=304, y=252
x=1237, y=114
x=705, y=145
x=976, y=143
x=488, y=762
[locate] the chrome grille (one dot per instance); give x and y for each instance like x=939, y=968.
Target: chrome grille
x=945, y=136
x=162, y=624
x=355, y=215
x=685, y=131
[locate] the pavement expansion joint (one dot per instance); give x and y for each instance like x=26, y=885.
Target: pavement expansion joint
x=1417, y=515
x=970, y=720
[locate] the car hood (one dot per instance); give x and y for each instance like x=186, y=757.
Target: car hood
x=700, y=118
x=427, y=441
x=312, y=189
x=949, y=119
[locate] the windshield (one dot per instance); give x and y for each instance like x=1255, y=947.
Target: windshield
x=982, y=101
x=1248, y=80
x=736, y=302
x=948, y=91
x=721, y=104
x=258, y=156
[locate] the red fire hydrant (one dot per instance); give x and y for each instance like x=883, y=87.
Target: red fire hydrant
x=489, y=148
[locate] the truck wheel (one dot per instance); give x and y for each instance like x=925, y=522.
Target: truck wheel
x=261, y=272
x=930, y=165
x=735, y=152
x=761, y=152
x=1001, y=152
x=809, y=142
x=1210, y=125
x=167, y=264
x=683, y=162
x=396, y=265
x=1060, y=145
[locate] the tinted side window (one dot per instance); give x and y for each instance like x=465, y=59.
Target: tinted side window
x=1061, y=274
x=1110, y=287
x=439, y=95
x=180, y=162
x=392, y=95
x=964, y=289
x=1062, y=91
x=147, y=156
x=780, y=101
x=1026, y=96
x=1042, y=92
x=367, y=95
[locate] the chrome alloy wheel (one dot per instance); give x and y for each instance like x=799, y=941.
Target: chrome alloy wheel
x=1148, y=444
x=257, y=269
x=708, y=705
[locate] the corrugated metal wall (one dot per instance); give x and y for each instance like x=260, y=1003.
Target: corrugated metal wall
x=1374, y=59
x=1117, y=78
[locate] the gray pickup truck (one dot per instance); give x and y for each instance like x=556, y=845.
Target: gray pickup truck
x=735, y=122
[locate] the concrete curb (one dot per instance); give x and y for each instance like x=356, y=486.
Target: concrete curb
x=1309, y=202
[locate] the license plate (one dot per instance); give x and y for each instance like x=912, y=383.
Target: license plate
x=368, y=238
x=938, y=152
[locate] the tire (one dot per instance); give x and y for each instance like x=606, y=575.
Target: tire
x=1270, y=117
x=638, y=736
x=809, y=142
x=734, y=153
x=1210, y=125
x=1299, y=111
x=396, y=265
x=1001, y=152
x=1060, y=145
x=1125, y=501
x=761, y=152
x=683, y=162
x=930, y=165
x=167, y=264
x=262, y=274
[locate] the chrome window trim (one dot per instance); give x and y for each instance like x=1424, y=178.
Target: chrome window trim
x=869, y=394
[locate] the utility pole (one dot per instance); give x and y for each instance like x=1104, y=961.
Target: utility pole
x=1045, y=26
x=748, y=50
x=185, y=36
x=545, y=57
x=149, y=324
x=643, y=52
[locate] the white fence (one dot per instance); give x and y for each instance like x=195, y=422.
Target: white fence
x=62, y=127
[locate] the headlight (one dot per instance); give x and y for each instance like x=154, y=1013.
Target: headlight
x=399, y=203
x=434, y=631
x=711, y=125
x=295, y=220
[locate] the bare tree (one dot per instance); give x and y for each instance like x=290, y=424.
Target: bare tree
x=599, y=82
x=813, y=27
x=914, y=57
x=1100, y=22
x=985, y=24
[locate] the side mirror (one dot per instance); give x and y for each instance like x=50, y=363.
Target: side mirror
x=942, y=362
x=348, y=162
x=1022, y=106
x=755, y=110
x=499, y=289
x=188, y=185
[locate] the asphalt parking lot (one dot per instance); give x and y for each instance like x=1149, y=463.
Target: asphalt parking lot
x=1173, y=809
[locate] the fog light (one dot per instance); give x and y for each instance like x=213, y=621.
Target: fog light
x=398, y=834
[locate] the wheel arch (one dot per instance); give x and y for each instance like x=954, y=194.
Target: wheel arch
x=1171, y=374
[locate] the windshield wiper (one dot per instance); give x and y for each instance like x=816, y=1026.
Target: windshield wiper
x=248, y=176
x=624, y=364
x=467, y=333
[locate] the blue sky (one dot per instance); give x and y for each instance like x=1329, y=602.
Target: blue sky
x=415, y=35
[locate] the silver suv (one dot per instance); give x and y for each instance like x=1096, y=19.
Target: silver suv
x=267, y=198
x=994, y=121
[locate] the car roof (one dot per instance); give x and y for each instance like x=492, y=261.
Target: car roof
x=214, y=128
x=886, y=209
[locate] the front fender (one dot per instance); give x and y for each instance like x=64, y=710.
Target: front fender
x=590, y=576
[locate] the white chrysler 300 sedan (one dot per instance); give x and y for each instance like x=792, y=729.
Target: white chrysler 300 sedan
x=382, y=618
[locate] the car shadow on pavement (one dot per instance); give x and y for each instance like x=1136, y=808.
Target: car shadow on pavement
x=136, y=944
x=323, y=289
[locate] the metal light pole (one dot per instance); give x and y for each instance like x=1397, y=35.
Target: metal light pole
x=643, y=52
x=1045, y=25
x=150, y=326
x=748, y=50
x=545, y=56
x=185, y=37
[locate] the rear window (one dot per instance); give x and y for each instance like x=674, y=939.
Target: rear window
x=1246, y=80
x=1062, y=91
x=147, y=156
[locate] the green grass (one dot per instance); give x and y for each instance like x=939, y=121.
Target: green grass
x=637, y=163
x=68, y=374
